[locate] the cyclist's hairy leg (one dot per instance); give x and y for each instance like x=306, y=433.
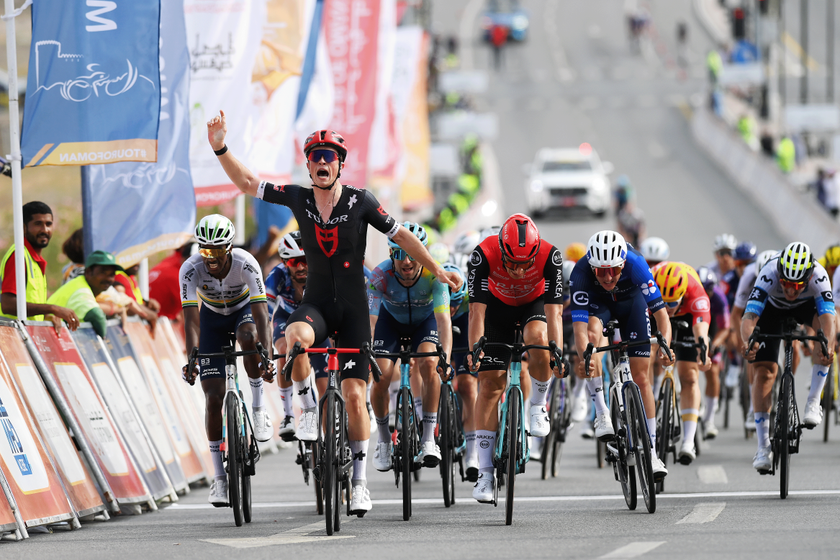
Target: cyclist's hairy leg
x=431, y=380
x=380, y=397
x=640, y=369
x=468, y=391
x=491, y=385
x=305, y=334
x=798, y=349
x=525, y=378
x=656, y=373
x=354, y=392
x=214, y=394
x=246, y=336
x=689, y=397
x=416, y=382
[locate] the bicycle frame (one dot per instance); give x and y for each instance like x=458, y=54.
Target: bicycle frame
x=515, y=370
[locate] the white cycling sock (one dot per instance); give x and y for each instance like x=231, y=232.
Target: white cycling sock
x=579, y=388
x=393, y=389
x=651, y=426
x=359, y=449
x=539, y=392
x=217, y=456
x=286, y=396
x=485, y=441
x=596, y=391
x=657, y=384
x=711, y=406
x=382, y=429
x=751, y=411
x=762, y=428
x=418, y=408
x=470, y=445
x=304, y=391
x=689, y=420
x=256, y=392
x=429, y=423
x=819, y=375
x=369, y=387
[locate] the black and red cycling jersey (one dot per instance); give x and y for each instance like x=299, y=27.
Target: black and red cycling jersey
x=487, y=276
x=335, y=251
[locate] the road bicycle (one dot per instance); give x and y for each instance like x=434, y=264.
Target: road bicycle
x=788, y=429
x=308, y=458
x=334, y=458
x=240, y=448
x=560, y=420
x=407, y=427
x=453, y=442
x=630, y=452
x=829, y=399
x=511, y=451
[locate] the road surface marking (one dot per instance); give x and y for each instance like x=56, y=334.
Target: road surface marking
x=633, y=549
x=292, y=536
x=419, y=501
x=703, y=513
x=712, y=474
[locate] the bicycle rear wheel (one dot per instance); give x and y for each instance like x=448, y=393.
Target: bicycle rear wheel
x=330, y=465
x=783, y=434
x=828, y=401
x=641, y=446
x=665, y=424
x=745, y=397
x=406, y=435
x=234, y=456
x=514, y=445
x=447, y=445
x=343, y=455
x=315, y=459
x=626, y=474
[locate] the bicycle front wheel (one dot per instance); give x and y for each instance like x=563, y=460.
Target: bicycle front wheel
x=665, y=424
x=330, y=465
x=624, y=473
x=236, y=471
x=250, y=447
x=406, y=434
x=447, y=445
x=514, y=449
x=828, y=401
x=640, y=441
x=548, y=442
x=783, y=433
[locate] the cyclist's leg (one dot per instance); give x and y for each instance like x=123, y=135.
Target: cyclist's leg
x=385, y=339
x=246, y=336
x=819, y=374
x=467, y=387
x=535, y=331
x=278, y=324
x=431, y=389
x=634, y=322
x=689, y=372
x=765, y=369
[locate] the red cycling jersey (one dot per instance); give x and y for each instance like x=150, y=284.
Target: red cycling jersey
x=487, y=275
x=695, y=302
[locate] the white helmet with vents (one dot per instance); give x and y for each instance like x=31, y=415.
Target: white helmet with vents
x=607, y=248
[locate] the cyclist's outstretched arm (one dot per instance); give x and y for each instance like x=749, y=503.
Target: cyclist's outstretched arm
x=477, y=313
x=240, y=175
x=444, y=325
x=415, y=248
x=663, y=323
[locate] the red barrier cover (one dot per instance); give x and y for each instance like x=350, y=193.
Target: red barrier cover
x=71, y=375
x=78, y=483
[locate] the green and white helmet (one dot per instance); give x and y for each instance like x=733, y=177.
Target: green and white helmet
x=215, y=229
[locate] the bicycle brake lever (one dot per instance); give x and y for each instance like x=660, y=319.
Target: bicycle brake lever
x=191, y=365
x=587, y=356
x=287, y=367
x=478, y=348
x=374, y=365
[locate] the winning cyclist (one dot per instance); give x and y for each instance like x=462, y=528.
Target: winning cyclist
x=613, y=281
x=230, y=285
x=284, y=288
x=406, y=300
x=686, y=299
x=797, y=287
x=513, y=277
x=333, y=220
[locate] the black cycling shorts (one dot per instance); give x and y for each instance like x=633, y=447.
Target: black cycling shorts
x=389, y=331
x=350, y=319
x=460, y=341
x=218, y=330
x=682, y=354
x=771, y=321
x=500, y=326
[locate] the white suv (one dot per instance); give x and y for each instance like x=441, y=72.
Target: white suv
x=568, y=178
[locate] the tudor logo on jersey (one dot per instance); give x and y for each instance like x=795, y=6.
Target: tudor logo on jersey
x=327, y=239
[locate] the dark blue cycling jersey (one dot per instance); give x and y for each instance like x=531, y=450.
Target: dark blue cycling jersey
x=635, y=279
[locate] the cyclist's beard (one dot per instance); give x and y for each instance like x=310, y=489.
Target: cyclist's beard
x=396, y=270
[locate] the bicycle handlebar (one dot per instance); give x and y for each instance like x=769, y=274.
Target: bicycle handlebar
x=297, y=350
x=623, y=346
x=556, y=352
x=441, y=355
x=227, y=353
x=699, y=345
x=790, y=335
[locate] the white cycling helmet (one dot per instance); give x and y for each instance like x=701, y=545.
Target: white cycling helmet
x=215, y=229
x=725, y=241
x=763, y=258
x=439, y=252
x=487, y=232
x=290, y=246
x=568, y=267
x=655, y=249
x=796, y=264
x=466, y=242
x=607, y=248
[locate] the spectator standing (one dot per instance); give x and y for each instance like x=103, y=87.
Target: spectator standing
x=498, y=38
x=164, y=284
x=74, y=248
x=786, y=154
x=37, y=232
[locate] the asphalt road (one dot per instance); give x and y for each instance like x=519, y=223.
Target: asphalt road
x=631, y=108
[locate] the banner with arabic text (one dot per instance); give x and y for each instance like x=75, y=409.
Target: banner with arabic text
x=93, y=90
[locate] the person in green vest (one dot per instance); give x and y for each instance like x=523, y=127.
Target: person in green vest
x=786, y=154
x=37, y=232
x=79, y=294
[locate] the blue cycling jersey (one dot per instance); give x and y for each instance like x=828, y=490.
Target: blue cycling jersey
x=408, y=305
x=635, y=278
x=462, y=305
x=279, y=290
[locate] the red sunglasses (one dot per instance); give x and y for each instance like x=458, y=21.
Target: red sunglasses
x=296, y=261
x=607, y=271
x=791, y=285
x=316, y=155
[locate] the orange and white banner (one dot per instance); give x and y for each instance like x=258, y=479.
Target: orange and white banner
x=78, y=482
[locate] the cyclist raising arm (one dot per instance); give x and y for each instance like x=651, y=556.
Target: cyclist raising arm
x=231, y=288
x=333, y=221
x=795, y=286
x=613, y=281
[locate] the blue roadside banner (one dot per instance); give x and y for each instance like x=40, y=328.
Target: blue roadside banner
x=136, y=209
x=93, y=90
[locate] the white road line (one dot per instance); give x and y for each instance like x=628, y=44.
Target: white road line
x=703, y=513
x=292, y=536
x=519, y=499
x=633, y=549
x=712, y=474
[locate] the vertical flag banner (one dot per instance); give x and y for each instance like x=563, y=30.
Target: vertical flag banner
x=93, y=91
x=223, y=38
x=136, y=209
x=416, y=187
x=351, y=30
